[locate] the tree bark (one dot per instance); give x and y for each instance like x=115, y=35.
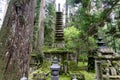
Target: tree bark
x=40, y=40
x=16, y=39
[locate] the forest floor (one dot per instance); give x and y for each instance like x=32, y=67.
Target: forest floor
x=87, y=75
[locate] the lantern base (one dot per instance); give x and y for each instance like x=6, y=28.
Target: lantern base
x=55, y=78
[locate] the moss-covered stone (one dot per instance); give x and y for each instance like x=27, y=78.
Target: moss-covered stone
x=42, y=72
x=57, y=51
x=77, y=74
x=104, y=58
x=37, y=59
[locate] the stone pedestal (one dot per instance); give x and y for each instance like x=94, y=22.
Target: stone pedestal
x=55, y=78
x=98, y=70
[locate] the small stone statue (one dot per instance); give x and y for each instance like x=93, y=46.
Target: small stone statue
x=24, y=78
x=74, y=78
x=55, y=69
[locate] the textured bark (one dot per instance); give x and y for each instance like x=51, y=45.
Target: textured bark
x=41, y=26
x=16, y=39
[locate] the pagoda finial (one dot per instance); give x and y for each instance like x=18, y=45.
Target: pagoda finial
x=59, y=7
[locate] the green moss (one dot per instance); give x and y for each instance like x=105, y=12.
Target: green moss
x=5, y=36
x=73, y=66
x=114, y=63
x=88, y=76
x=61, y=77
x=57, y=51
x=104, y=58
x=76, y=73
x=43, y=70
x=82, y=64
x=37, y=58
x=105, y=64
x=83, y=57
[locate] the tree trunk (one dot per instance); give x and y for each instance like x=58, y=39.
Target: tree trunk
x=41, y=26
x=16, y=39
x=66, y=14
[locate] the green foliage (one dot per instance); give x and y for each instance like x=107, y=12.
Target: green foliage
x=49, y=24
x=88, y=76
x=35, y=32
x=37, y=11
x=92, y=43
x=82, y=64
x=83, y=57
x=72, y=32
x=56, y=51
x=74, y=39
x=41, y=72
x=71, y=35
x=73, y=66
x=37, y=57
x=61, y=77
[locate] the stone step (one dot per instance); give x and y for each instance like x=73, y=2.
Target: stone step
x=112, y=77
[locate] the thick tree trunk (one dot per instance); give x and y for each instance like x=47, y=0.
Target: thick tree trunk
x=41, y=26
x=16, y=39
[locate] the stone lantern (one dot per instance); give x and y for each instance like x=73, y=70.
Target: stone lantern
x=55, y=69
